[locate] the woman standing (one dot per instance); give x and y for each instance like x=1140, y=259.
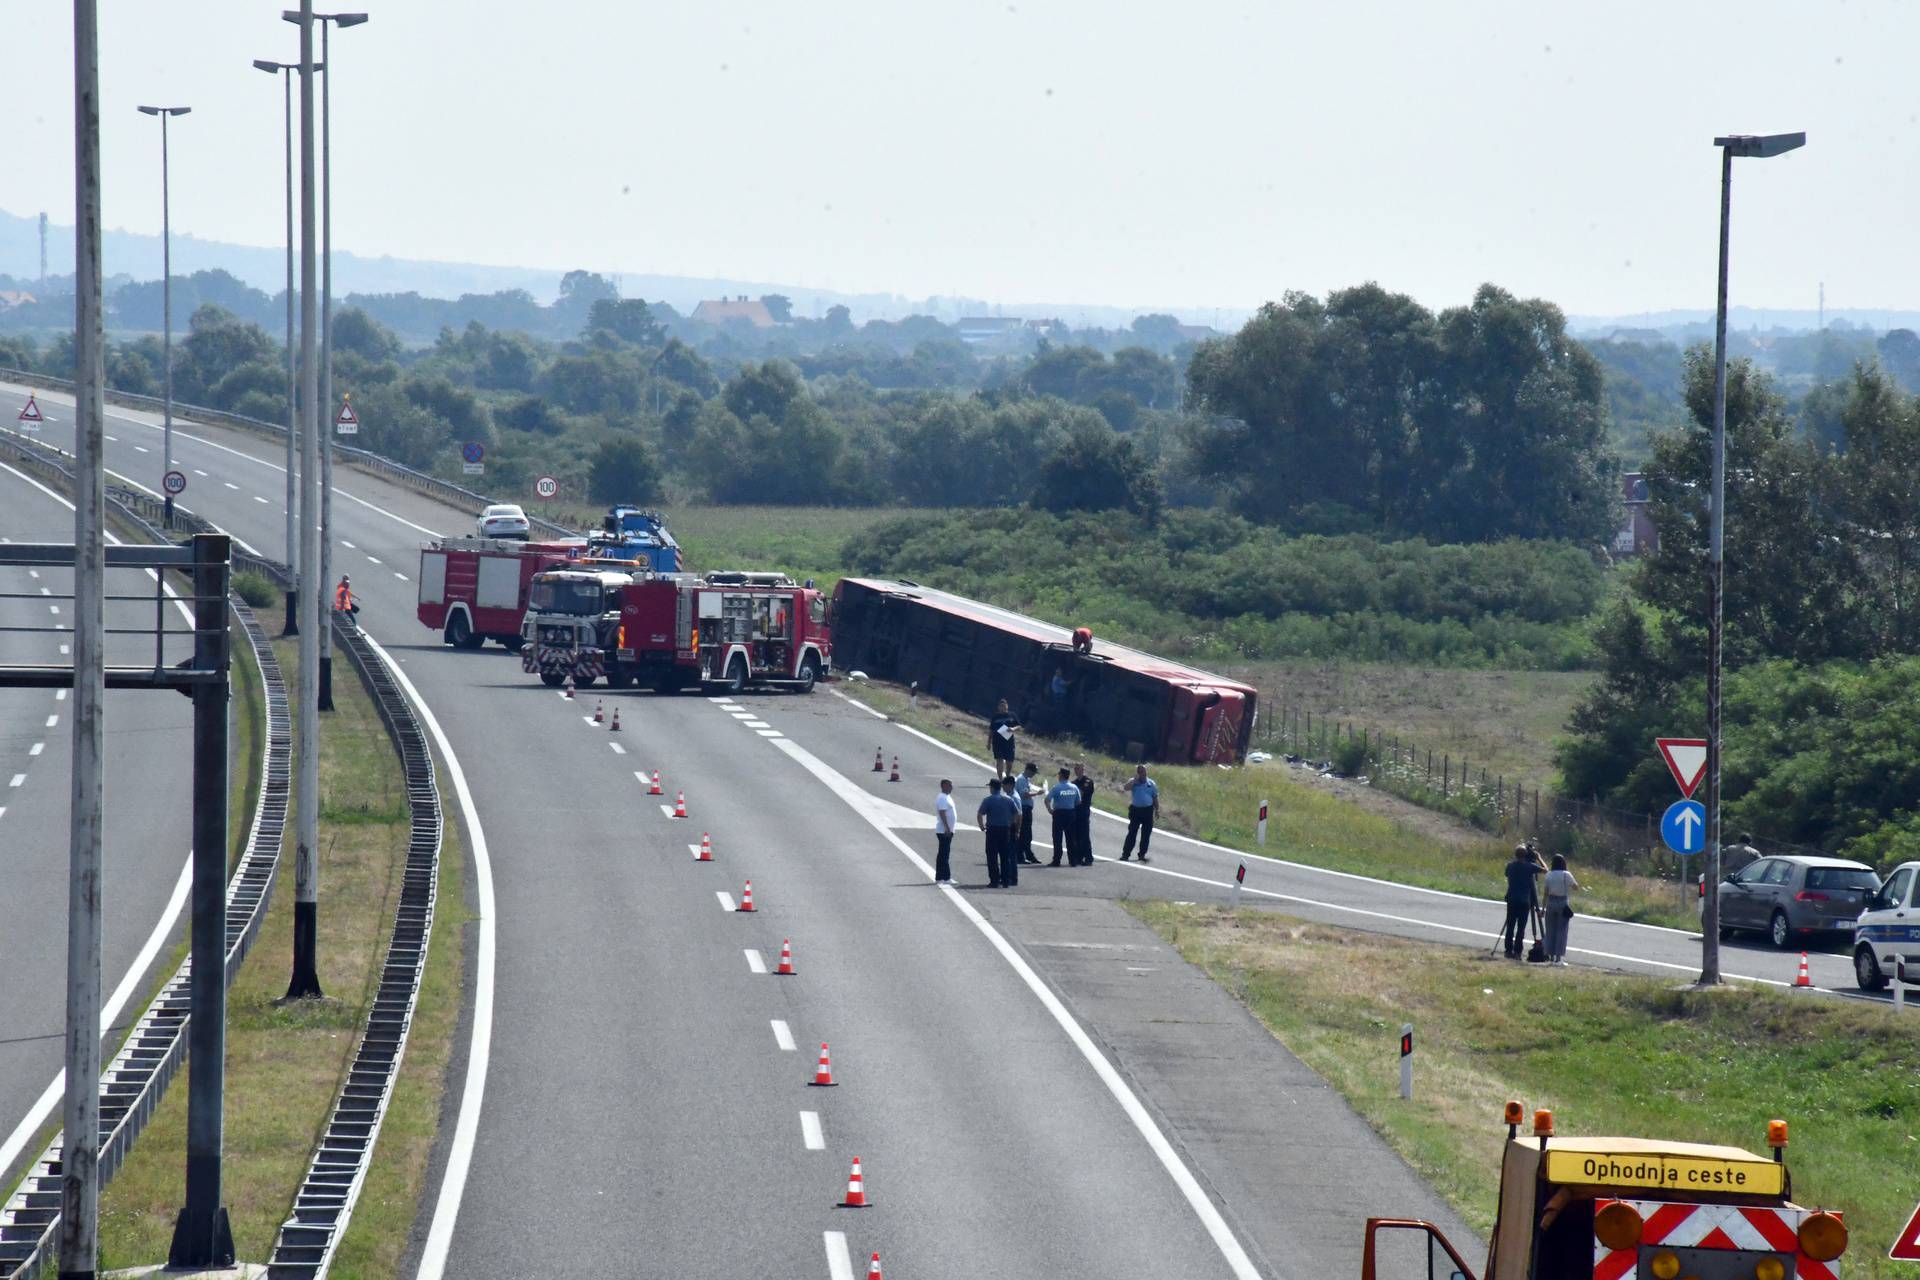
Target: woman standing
x=1560, y=884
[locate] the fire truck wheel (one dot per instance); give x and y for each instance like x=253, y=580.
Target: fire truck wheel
x=809, y=672
x=460, y=635
x=619, y=679
x=736, y=675
x=552, y=679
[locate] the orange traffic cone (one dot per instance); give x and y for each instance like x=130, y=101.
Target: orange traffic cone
x=856, y=1193
x=873, y=1268
x=706, y=849
x=895, y=775
x=599, y=713
x=569, y=688
x=655, y=790
x=615, y=726
x=1801, y=979
x=823, y=1074
x=786, y=969
x=879, y=762
x=746, y=898
x=679, y=804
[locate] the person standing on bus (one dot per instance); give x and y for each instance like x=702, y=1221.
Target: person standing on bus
x=1025, y=788
x=1000, y=740
x=1062, y=800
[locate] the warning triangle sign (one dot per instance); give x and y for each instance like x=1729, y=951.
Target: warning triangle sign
x=347, y=417
x=1686, y=760
x=1906, y=1246
x=32, y=412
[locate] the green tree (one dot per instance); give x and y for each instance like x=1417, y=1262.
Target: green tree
x=356, y=331
x=1879, y=484
x=624, y=469
x=778, y=305
x=680, y=363
x=1097, y=470
x=629, y=319
x=217, y=343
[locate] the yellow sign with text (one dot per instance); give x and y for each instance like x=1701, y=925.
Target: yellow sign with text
x=1668, y=1173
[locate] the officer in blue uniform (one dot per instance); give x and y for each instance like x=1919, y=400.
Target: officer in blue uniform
x=999, y=817
x=1143, y=806
x=1063, y=802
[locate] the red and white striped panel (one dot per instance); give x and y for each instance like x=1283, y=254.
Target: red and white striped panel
x=1710, y=1226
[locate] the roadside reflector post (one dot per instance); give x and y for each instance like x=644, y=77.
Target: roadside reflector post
x=1260, y=827
x=1233, y=894
x=1406, y=1060
x=1899, y=982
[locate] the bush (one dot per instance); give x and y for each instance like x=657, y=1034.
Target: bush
x=255, y=589
x=1350, y=756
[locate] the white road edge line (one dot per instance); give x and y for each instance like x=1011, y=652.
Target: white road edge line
x=453, y=1183
x=839, y=1262
x=1216, y=1226
x=783, y=1036
x=810, y=1131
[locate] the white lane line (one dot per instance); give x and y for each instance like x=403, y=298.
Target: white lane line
x=667, y=809
x=54, y=720
x=768, y=733
x=63, y=649
x=115, y=439
x=348, y=545
x=617, y=748
x=721, y=698
x=54, y=607
x=60, y=695
x=1189, y=1186
x=839, y=1262
x=36, y=748
x=231, y=485
x=754, y=962
x=453, y=1183
x=257, y=498
x=588, y=719
x=33, y=573
x=877, y=715
x=694, y=849
x=782, y=1035
x=45, y=591
x=756, y=724
x=3, y=811
x=726, y=904
x=400, y=575
x=18, y=780
x=140, y=448
x=810, y=1132
x=371, y=559
x=197, y=471
x=738, y=714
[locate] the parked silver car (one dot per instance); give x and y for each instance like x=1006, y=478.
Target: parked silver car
x=1794, y=897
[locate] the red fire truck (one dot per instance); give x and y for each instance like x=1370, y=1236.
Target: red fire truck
x=676, y=630
x=473, y=590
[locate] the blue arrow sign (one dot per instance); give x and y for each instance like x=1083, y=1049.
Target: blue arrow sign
x=1684, y=826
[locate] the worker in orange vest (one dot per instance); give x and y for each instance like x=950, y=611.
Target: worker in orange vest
x=343, y=597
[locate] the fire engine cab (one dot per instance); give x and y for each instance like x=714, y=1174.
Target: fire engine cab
x=473, y=590
x=675, y=631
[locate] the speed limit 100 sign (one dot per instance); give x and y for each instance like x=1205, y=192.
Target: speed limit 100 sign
x=546, y=486
x=174, y=482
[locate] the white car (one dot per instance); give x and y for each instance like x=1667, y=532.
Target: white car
x=1889, y=926
x=503, y=520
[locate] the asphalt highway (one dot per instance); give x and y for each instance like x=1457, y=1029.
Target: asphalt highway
x=148, y=833
x=646, y=1100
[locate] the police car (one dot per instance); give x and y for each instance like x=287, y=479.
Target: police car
x=1889, y=926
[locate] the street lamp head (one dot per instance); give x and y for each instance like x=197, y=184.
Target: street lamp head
x=169, y=111
x=1761, y=145
x=347, y=19
x=267, y=64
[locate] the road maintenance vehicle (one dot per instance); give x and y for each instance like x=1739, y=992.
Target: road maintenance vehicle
x=672, y=631
x=1627, y=1209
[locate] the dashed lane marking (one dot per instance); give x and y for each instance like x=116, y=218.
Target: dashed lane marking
x=257, y=498
x=726, y=904
x=810, y=1132
x=348, y=545
x=371, y=559
x=768, y=733
x=617, y=748
x=400, y=575
x=738, y=714
x=754, y=963
x=19, y=779
x=667, y=809
x=197, y=471
x=783, y=1035
x=839, y=1262
x=231, y=485
x=36, y=748
x=588, y=719
x=756, y=724
x=140, y=448
x=53, y=720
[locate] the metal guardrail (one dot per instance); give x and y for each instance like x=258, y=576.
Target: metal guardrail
x=419, y=481
x=324, y=1203
x=134, y=1082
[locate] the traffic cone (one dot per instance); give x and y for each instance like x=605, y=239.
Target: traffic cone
x=615, y=726
x=1801, y=979
x=746, y=898
x=706, y=849
x=879, y=762
x=569, y=688
x=655, y=790
x=786, y=969
x=823, y=1074
x=873, y=1268
x=895, y=775
x=599, y=713
x=856, y=1194
x=679, y=804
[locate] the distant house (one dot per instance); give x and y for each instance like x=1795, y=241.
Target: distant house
x=11, y=298
x=987, y=328
x=1636, y=536
x=725, y=310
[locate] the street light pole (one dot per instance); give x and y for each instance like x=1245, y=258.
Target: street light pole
x=166, y=294
x=1760, y=146
x=293, y=414
x=327, y=22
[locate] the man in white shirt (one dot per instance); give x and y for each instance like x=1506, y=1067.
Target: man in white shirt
x=943, y=823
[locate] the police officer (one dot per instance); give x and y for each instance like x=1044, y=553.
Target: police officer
x=1025, y=788
x=1062, y=801
x=1083, y=816
x=999, y=817
x=1143, y=806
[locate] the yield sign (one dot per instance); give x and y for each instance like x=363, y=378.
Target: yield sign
x=1906, y=1247
x=32, y=412
x=1686, y=760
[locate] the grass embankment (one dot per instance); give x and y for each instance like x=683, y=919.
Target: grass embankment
x=285, y=1062
x=1613, y=1055
x=1305, y=823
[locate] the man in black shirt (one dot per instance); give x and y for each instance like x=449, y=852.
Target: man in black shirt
x=1000, y=740
x=1520, y=901
x=1083, y=818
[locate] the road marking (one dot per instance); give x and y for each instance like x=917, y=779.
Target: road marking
x=3, y=811
x=45, y=591
x=54, y=607
x=617, y=748
x=115, y=439
x=810, y=1131
x=231, y=485
x=446, y=1210
x=60, y=695
x=588, y=719
x=257, y=498
x=18, y=779
x=839, y=1262
x=53, y=720
x=694, y=849
x=877, y=715
x=667, y=809
x=782, y=1036
x=769, y=733
x=754, y=963
x=756, y=724
x=36, y=748
x=400, y=575
x=726, y=904
x=63, y=649
x=197, y=471
x=348, y=545
x=738, y=714
x=721, y=698
x=372, y=559
x=140, y=448
x=33, y=573
x=1189, y=1186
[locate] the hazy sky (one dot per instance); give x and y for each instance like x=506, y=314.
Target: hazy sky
x=1199, y=153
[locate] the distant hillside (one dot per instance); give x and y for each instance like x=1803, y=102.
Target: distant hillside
x=1693, y=326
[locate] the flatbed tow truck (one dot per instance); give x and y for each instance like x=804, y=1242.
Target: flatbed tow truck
x=1628, y=1209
